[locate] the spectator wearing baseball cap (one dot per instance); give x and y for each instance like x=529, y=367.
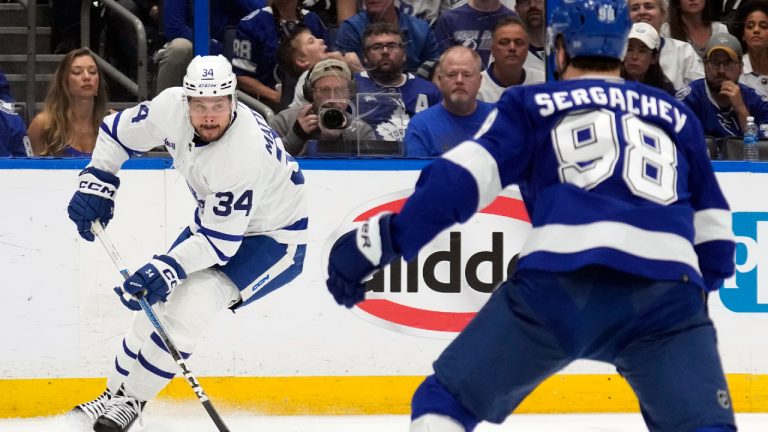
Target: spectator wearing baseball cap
x=329, y=90
x=719, y=100
x=641, y=63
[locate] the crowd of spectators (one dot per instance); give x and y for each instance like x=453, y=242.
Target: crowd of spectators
x=397, y=90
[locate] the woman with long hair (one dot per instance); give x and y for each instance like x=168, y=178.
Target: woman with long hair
x=693, y=21
x=641, y=63
x=74, y=107
x=751, y=25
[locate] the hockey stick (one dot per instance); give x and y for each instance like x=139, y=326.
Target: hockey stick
x=98, y=230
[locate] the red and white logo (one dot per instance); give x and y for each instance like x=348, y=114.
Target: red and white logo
x=440, y=291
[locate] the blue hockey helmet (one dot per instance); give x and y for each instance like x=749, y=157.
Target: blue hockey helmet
x=590, y=28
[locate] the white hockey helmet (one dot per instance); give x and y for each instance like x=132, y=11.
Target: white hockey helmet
x=209, y=76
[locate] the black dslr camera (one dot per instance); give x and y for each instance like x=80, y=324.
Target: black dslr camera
x=332, y=118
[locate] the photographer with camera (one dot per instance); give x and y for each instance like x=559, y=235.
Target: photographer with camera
x=329, y=89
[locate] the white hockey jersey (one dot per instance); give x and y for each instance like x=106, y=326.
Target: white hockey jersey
x=244, y=184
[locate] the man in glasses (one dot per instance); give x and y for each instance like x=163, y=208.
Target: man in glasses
x=718, y=100
x=422, y=44
x=329, y=89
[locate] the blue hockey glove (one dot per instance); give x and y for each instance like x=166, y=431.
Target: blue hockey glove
x=93, y=200
x=358, y=254
x=154, y=280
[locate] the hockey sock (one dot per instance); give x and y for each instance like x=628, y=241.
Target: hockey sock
x=433, y=398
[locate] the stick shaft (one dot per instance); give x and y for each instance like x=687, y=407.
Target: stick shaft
x=98, y=230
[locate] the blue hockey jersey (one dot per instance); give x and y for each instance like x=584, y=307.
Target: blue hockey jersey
x=254, y=51
x=389, y=109
x=613, y=173
x=13, y=133
x=717, y=122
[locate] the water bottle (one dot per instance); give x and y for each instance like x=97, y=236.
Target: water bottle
x=750, y=141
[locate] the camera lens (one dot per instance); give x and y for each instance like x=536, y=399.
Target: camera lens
x=333, y=118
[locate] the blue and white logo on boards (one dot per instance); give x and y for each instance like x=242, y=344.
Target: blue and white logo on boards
x=747, y=289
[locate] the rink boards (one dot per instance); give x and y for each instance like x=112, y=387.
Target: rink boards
x=296, y=351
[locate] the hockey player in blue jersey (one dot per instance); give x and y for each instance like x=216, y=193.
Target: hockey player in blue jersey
x=248, y=236
x=630, y=232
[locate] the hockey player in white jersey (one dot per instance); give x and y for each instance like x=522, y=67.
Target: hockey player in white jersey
x=630, y=233
x=247, y=239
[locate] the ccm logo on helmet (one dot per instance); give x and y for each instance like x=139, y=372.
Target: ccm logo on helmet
x=437, y=293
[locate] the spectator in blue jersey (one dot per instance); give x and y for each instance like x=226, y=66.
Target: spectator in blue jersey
x=5, y=89
x=510, y=54
x=255, y=57
x=531, y=13
x=330, y=87
x=641, y=63
x=387, y=97
x=175, y=55
x=13, y=132
x=441, y=127
x=719, y=100
x=630, y=232
x=421, y=44
x=471, y=25
x=428, y=10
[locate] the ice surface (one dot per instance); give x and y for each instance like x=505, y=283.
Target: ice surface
x=171, y=417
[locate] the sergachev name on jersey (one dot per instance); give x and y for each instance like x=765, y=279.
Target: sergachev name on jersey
x=612, y=97
x=168, y=143
x=747, y=289
x=436, y=294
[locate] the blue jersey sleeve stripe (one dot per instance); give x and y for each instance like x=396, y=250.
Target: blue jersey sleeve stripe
x=154, y=369
x=113, y=133
x=220, y=235
x=219, y=253
x=299, y=225
x=577, y=239
x=712, y=224
x=481, y=165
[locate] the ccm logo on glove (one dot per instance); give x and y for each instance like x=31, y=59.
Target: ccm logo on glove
x=99, y=188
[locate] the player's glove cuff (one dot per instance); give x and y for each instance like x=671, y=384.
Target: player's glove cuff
x=93, y=181
x=374, y=240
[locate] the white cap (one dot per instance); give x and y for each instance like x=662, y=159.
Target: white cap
x=645, y=33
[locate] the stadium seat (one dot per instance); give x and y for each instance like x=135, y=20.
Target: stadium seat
x=714, y=148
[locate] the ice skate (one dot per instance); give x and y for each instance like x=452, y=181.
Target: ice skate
x=93, y=409
x=120, y=413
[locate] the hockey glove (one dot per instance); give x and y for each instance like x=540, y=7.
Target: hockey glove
x=154, y=280
x=358, y=254
x=93, y=200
